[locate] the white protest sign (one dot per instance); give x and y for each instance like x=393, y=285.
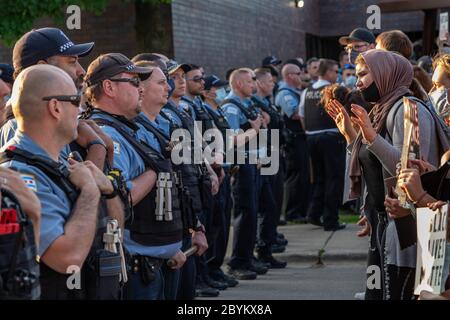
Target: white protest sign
x=431, y=244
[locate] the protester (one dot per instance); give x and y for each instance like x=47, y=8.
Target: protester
x=358, y=41
x=375, y=150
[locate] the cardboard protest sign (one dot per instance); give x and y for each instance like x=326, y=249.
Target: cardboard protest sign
x=431, y=245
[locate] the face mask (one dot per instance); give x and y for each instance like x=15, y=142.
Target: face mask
x=221, y=94
x=352, y=55
x=371, y=93
x=350, y=81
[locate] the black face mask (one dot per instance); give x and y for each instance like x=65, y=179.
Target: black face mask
x=352, y=55
x=371, y=93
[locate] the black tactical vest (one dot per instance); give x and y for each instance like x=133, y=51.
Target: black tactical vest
x=19, y=270
x=149, y=226
x=201, y=114
x=220, y=122
x=316, y=118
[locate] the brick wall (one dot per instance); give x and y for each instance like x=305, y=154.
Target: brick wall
x=237, y=33
x=220, y=34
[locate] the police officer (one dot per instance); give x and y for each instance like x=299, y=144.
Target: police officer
x=241, y=114
x=194, y=176
x=154, y=232
x=51, y=46
x=222, y=207
x=327, y=151
x=156, y=92
x=297, y=162
x=269, y=215
x=45, y=103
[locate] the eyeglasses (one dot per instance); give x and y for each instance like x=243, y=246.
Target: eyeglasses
x=196, y=79
x=73, y=99
x=357, y=48
x=296, y=73
x=133, y=81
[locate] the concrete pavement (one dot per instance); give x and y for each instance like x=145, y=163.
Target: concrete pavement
x=339, y=277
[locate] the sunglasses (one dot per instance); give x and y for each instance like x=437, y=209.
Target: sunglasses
x=133, y=81
x=196, y=79
x=73, y=99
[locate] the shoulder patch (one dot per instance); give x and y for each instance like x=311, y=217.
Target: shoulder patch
x=116, y=147
x=232, y=110
x=30, y=181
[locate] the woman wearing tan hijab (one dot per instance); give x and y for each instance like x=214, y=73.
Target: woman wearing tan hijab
x=375, y=140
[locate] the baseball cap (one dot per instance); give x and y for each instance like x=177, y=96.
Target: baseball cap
x=214, y=81
x=111, y=64
x=40, y=44
x=173, y=66
x=271, y=60
x=359, y=34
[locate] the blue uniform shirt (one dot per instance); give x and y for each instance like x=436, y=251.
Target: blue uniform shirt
x=148, y=136
x=287, y=100
x=233, y=114
x=55, y=205
x=186, y=106
x=8, y=131
x=131, y=164
x=172, y=115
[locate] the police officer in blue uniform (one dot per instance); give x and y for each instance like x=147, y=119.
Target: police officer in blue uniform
x=267, y=231
x=156, y=92
x=297, y=162
x=46, y=109
x=195, y=178
x=241, y=114
x=155, y=231
x=222, y=200
x=51, y=46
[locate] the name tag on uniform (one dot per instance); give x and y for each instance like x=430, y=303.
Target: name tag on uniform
x=116, y=147
x=30, y=182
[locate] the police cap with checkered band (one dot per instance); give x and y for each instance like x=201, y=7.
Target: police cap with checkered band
x=41, y=44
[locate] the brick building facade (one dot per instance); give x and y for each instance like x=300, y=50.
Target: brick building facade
x=220, y=34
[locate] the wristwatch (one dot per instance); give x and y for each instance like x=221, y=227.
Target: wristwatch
x=94, y=142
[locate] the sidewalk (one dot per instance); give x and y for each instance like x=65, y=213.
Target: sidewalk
x=306, y=241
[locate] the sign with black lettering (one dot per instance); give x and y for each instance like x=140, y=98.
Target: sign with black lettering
x=431, y=244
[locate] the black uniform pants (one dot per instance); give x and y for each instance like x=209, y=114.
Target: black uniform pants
x=297, y=185
x=327, y=151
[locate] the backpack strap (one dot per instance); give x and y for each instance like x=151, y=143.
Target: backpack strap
x=146, y=152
